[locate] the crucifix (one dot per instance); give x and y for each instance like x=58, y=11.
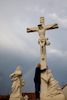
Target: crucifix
x=41, y=28
x=42, y=40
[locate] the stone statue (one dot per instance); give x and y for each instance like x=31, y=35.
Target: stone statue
x=41, y=28
x=54, y=91
x=26, y=97
x=18, y=82
x=42, y=40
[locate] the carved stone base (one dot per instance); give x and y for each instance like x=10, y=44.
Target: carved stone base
x=12, y=98
x=57, y=97
x=51, y=89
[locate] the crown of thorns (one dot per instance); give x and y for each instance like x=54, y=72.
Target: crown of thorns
x=39, y=25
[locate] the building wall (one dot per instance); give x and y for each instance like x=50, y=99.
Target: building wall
x=65, y=91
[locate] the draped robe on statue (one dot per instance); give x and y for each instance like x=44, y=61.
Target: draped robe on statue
x=17, y=84
x=54, y=91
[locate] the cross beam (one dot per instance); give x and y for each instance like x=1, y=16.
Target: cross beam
x=46, y=27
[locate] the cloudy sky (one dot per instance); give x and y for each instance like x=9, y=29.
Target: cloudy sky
x=17, y=47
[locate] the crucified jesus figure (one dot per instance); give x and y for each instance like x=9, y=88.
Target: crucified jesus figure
x=41, y=30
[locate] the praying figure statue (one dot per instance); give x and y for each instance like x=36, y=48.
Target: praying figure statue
x=54, y=91
x=18, y=82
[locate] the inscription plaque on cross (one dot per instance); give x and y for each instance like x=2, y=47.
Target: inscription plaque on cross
x=41, y=28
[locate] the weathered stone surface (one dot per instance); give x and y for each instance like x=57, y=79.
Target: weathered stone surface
x=54, y=91
x=57, y=97
x=16, y=93
x=44, y=76
x=65, y=90
x=26, y=97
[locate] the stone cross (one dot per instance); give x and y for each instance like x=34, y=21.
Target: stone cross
x=43, y=42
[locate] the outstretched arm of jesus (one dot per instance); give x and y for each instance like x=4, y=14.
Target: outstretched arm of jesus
x=48, y=27
x=34, y=29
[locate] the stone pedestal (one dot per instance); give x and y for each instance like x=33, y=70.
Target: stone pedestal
x=57, y=97
x=16, y=98
x=53, y=90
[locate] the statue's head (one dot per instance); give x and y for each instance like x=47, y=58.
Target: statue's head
x=18, y=68
x=49, y=71
x=39, y=65
x=18, y=71
x=40, y=26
